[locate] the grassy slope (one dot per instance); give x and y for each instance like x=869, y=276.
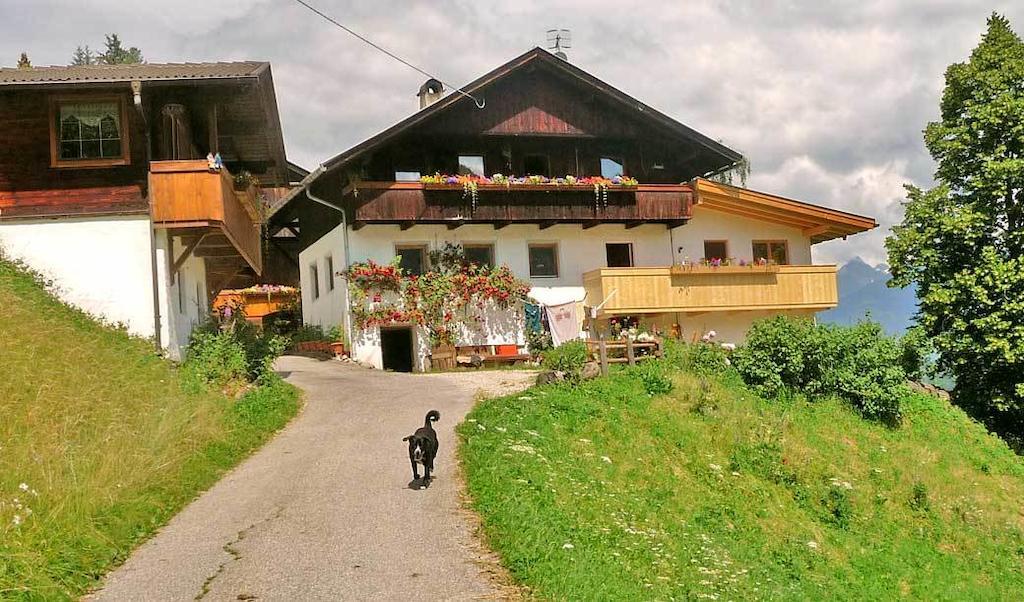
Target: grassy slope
x=106, y=438
x=749, y=500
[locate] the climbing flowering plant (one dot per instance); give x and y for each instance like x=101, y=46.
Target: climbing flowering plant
x=470, y=183
x=454, y=292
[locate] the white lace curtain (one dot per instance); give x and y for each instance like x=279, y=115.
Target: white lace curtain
x=91, y=114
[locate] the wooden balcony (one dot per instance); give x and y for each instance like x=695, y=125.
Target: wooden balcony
x=220, y=223
x=632, y=291
x=410, y=203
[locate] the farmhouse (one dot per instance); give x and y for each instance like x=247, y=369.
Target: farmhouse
x=106, y=188
x=612, y=211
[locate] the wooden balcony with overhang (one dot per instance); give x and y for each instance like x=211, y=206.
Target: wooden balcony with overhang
x=214, y=221
x=410, y=203
x=702, y=289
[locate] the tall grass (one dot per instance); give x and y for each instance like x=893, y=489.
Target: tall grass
x=607, y=492
x=100, y=444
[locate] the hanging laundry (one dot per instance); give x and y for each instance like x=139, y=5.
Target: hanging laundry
x=532, y=313
x=564, y=321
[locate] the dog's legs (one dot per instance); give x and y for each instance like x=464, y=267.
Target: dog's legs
x=415, y=471
x=426, y=472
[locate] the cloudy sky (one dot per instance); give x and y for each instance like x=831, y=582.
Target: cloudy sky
x=826, y=98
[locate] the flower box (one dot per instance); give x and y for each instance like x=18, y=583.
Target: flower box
x=684, y=270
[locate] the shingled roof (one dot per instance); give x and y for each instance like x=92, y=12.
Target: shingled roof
x=125, y=73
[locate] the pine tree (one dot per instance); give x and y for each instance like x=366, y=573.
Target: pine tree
x=23, y=62
x=117, y=54
x=962, y=243
x=83, y=56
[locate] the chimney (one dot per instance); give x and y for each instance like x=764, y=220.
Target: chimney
x=430, y=92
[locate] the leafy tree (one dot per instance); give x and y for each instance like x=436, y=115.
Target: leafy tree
x=23, y=62
x=83, y=56
x=117, y=54
x=962, y=242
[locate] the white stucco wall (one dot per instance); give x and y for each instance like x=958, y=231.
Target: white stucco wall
x=579, y=251
x=183, y=297
x=101, y=265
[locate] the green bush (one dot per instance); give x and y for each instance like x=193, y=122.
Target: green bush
x=701, y=358
x=654, y=376
x=568, y=358
x=915, y=351
x=857, y=363
x=237, y=352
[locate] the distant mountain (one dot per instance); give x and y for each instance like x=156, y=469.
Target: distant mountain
x=863, y=292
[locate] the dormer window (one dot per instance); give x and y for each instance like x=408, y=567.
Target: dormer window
x=88, y=132
x=471, y=165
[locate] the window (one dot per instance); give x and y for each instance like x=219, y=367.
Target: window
x=471, y=165
x=88, y=133
x=412, y=259
x=543, y=260
x=407, y=176
x=619, y=254
x=329, y=265
x=314, y=277
x=715, y=249
x=536, y=165
x=775, y=251
x=611, y=167
x=480, y=254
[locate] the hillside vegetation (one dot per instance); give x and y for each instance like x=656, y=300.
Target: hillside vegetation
x=101, y=441
x=663, y=483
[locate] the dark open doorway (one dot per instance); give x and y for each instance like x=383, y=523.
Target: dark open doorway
x=396, y=349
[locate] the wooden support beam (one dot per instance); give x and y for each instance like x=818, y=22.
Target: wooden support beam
x=817, y=230
x=406, y=225
x=500, y=225
x=216, y=252
x=456, y=224
x=631, y=225
x=547, y=224
x=592, y=224
x=185, y=254
x=358, y=225
x=675, y=223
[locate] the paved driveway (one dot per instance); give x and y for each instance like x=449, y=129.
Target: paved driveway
x=324, y=511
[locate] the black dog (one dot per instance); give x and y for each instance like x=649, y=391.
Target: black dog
x=423, y=447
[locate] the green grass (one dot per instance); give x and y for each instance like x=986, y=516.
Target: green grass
x=605, y=493
x=107, y=439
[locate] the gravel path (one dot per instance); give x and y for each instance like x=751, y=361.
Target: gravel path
x=325, y=511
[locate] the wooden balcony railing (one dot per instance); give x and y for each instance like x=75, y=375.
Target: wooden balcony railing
x=663, y=289
x=414, y=202
x=187, y=194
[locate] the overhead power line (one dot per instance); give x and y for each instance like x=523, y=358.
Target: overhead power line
x=478, y=102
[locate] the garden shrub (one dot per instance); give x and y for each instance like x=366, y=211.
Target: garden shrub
x=699, y=358
x=857, y=363
x=236, y=352
x=653, y=375
x=568, y=358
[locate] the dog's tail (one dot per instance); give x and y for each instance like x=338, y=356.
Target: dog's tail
x=432, y=416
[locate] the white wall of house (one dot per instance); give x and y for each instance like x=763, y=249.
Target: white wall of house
x=99, y=264
x=183, y=296
x=579, y=251
x=103, y=265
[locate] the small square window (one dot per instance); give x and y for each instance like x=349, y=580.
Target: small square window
x=329, y=264
x=774, y=251
x=715, y=249
x=412, y=259
x=619, y=254
x=611, y=167
x=314, y=277
x=543, y=260
x=471, y=165
x=479, y=254
x=88, y=132
x=536, y=165
x=407, y=176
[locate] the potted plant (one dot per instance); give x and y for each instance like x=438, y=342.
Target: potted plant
x=338, y=341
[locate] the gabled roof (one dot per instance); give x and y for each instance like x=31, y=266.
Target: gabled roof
x=536, y=55
x=816, y=222
x=71, y=74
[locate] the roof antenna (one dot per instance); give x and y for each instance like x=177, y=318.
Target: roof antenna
x=559, y=39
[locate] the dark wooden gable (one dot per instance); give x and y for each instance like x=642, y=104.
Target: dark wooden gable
x=537, y=101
